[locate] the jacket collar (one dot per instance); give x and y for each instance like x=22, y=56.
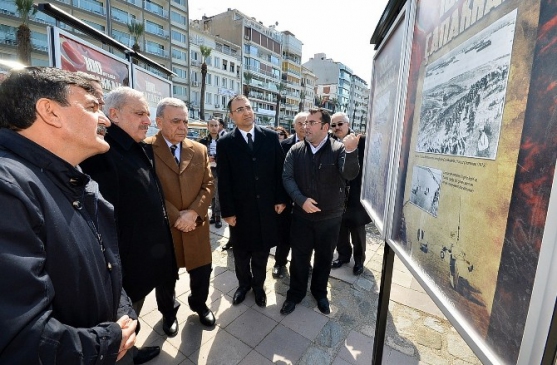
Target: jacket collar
x=118, y=135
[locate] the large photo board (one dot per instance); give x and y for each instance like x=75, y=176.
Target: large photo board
x=385, y=93
x=71, y=53
x=476, y=163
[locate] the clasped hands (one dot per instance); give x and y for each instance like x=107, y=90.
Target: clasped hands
x=187, y=221
x=128, y=326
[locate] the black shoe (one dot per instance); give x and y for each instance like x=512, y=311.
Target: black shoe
x=278, y=271
x=227, y=246
x=207, y=318
x=338, y=263
x=218, y=223
x=358, y=269
x=145, y=354
x=288, y=307
x=260, y=297
x=239, y=295
x=212, y=220
x=323, y=305
x=170, y=326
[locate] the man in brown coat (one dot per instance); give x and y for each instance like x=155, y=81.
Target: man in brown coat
x=182, y=167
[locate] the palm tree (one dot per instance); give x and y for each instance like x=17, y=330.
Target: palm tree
x=334, y=102
x=205, y=52
x=136, y=30
x=24, y=8
x=280, y=88
x=301, y=104
x=248, y=76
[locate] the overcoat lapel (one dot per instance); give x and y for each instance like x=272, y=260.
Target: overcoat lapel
x=186, y=154
x=160, y=148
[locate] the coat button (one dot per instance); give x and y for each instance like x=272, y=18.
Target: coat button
x=77, y=204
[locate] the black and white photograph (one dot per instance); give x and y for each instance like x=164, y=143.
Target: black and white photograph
x=464, y=95
x=426, y=188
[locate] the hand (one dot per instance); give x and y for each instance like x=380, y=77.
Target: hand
x=186, y=222
x=230, y=220
x=211, y=159
x=351, y=142
x=310, y=206
x=279, y=208
x=128, y=326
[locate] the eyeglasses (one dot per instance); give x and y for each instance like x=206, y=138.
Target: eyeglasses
x=312, y=123
x=242, y=109
x=339, y=124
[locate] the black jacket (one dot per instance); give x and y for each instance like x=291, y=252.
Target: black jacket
x=321, y=177
x=355, y=214
x=249, y=186
x=126, y=177
x=59, y=292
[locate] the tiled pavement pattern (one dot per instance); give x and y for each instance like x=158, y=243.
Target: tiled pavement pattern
x=417, y=332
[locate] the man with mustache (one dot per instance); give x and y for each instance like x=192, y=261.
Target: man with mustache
x=127, y=179
x=61, y=297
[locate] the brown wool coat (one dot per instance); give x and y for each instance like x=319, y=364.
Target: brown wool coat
x=188, y=186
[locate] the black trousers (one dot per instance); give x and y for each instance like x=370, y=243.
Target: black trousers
x=251, y=267
x=283, y=247
x=307, y=237
x=166, y=300
x=344, y=248
x=200, y=278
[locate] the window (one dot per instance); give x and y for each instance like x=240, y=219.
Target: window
x=217, y=79
x=209, y=61
x=208, y=80
x=180, y=72
x=224, y=82
x=224, y=64
x=208, y=98
x=180, y=55
x=179, y=36
x=178, y=90
x=178, y=18
x=232, y=67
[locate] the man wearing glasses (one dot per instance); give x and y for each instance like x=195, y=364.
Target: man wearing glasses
x=251, y=196
x=355, y=217
x=315, y=174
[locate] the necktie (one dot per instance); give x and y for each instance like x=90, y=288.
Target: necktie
x=173, y=149
x=250, y=142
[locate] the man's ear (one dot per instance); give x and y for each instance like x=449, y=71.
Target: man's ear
x=48, y=111
x=159, y=122
x=113, y=115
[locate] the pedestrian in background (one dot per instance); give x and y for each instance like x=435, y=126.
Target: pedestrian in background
x=127, y=179
x=355, y=217
x=282, y=133
x=285, y=219
x=61, y=296
x=315, y=174
x=183, y=169
x=210, y=141
x=251, y=195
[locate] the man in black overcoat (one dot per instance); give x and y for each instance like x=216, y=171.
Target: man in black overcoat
x=251, y=195
x=355, y=217
x=127, y=179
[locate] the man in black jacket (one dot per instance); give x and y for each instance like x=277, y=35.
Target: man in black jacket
x=315, y=174
x=127, y=179
x=355, y=217
x=251, y=196
x=61, y=297
x=210, y=141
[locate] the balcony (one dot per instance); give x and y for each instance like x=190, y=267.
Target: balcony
x=155, y=9
x=157, y=51
x=91, y=6
x=156, y=31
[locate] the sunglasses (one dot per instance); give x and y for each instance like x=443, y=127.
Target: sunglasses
x=340, y=124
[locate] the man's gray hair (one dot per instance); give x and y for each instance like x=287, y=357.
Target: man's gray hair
x=119, y=97
x=175, y=102
x=300, y=115
x=342, y=116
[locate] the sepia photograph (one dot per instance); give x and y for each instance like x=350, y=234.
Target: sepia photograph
x=426, y=188
x=464, y=95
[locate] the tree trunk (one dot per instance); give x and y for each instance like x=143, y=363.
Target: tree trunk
x=24, y=44
x=202, y=96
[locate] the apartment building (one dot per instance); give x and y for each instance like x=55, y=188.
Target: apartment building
x=224, y=66
x=262, y=57
x=339, y=89
x=165, y=39
x=309, y=87
x=292, y=90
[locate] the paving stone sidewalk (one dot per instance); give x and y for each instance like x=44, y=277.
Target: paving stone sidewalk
x=417, y=331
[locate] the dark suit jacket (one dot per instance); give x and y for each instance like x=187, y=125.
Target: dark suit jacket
x=250, y=185
x=127, y=179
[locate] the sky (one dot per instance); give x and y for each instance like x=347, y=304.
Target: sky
x=340, y=29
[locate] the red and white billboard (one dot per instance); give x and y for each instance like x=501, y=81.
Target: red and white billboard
x=74, y=54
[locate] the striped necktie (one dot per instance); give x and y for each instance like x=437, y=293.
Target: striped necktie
x=173, y=149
